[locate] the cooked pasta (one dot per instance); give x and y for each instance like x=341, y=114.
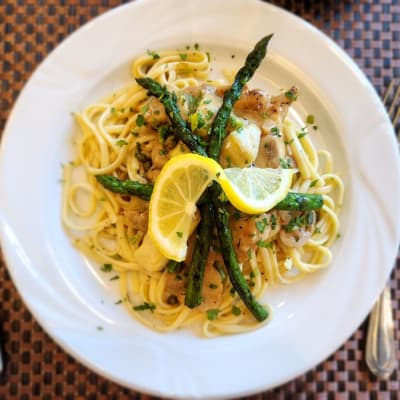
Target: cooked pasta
x=128, y=135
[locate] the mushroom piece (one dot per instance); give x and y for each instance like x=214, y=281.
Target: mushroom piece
x=270, y=152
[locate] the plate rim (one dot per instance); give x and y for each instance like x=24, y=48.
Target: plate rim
x=6, y=251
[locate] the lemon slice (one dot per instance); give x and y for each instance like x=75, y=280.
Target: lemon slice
x=183, y=179
x=255, y=190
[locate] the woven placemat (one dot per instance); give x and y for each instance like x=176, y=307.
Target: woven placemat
x=36, y=367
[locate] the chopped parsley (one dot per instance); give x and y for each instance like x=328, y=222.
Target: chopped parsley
x=179, y=234
x=140, y=120
x=261, y=225
x=264, y=244
x=174, y=266
x=314, y=182
x=290, y=95
x=285, y=164
x=303, y=132
x=275, y=131
x=236, y=310
x=145, y=306
x=163, y=132
x=299, y=221
x=208, y=56
x=153, y=54
x=310, y=119
x=106, y=268
x=288, y=141
x=114, y=278
x=213, y=286
x=121, y=142
x=183, y=56
x=134, y=133
x=196, y=46
x=212, y=314
x=273, y=222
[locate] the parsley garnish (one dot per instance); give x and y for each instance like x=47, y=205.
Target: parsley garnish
x=310, y=119
x=263, y=243
x=153, y=54
x=303, y=132
x=212, y=314
x=140, y=120
x=290, y=95
x=121, y=142
x=179, y=234
x=114, y=278
x=174, y=266
x=285, y=164
x=183, y=56
x=261, y=225
x=145, y=306
x=213, y=286
x=314, y=182
x=275, y=131
x=236, y=310
x=106, y=267
x=273, y=222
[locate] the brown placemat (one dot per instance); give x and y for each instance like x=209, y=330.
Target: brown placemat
x=36, y=367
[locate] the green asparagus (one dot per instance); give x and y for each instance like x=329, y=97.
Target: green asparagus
x=230, y=260
x=245, y=73
x=292, y=202
x=169, y=100
x=196, y=272
x=127, y=187
x=221, y=213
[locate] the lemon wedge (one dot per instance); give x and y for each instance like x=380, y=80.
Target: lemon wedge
x=183, y=179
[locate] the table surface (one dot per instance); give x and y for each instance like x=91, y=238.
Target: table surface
x=35, y=366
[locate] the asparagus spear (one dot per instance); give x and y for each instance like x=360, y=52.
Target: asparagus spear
x=128, y=187
x=221, y=213
x=245, y=73
x=292, y=202
x=196, y=272
x=169, y=100
x=182, y=132
x=230, y=260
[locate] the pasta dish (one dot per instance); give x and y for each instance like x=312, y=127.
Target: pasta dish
x=124, y=144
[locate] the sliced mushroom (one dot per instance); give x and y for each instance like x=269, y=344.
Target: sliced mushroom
x=270, y=152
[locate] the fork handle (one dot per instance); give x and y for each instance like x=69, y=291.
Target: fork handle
x=380, y=353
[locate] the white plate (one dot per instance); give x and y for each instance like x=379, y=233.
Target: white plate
x=64, y=290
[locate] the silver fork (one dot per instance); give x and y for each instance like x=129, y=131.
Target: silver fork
x=380, y=354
